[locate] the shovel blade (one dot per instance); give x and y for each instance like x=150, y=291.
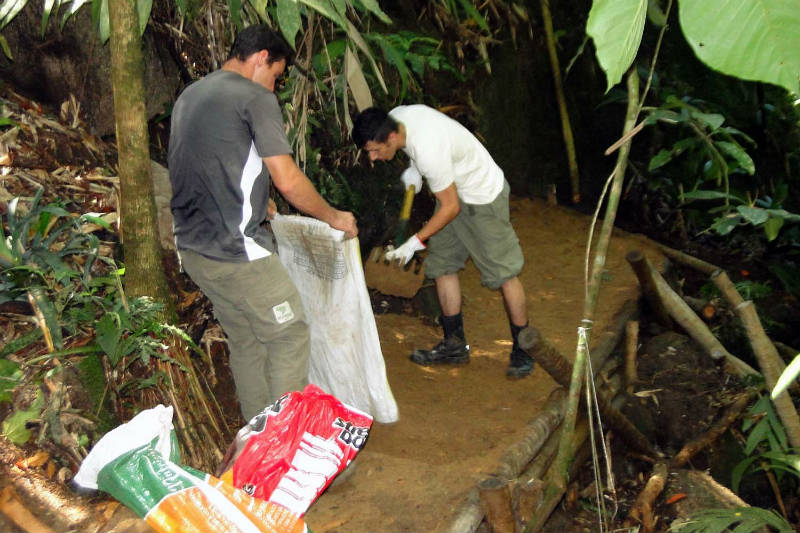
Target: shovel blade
x=390, y=278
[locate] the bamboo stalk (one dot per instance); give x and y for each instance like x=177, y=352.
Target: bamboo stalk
x=687, y=319
x=770, y=363
x=726, y=287
x=566, y=128
x=647, y=284
x=688, y=260
x=565, y=452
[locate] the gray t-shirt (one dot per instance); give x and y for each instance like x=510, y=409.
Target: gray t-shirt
x=222, y=126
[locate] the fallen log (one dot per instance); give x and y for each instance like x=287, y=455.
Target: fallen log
x=771, y=365
x=694, y=327
x=647, y=284
x=731, y=414
x=57, y=507
x=685, y=259
x=642, y=510
x=731, y=294
x=514, y=459
x=470, y=515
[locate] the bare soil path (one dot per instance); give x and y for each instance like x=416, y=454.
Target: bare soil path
x=455, y=422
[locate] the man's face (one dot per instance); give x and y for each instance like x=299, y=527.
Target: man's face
x=267, y=73
x=382, y=151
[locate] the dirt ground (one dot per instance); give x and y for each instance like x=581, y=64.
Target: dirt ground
x=455, y=422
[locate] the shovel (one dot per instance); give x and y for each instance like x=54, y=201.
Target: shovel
x=389, y=277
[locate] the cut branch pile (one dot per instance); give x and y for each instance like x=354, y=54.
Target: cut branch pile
x=76, y=170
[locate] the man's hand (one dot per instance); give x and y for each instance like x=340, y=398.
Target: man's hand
x=345, y=221
x=411, y=176
x=404, y=254
x=272, y=209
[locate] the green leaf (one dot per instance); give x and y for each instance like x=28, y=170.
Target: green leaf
x=660, y=159
x=772, y=227
x=289, y=19
x=735, y=151
x=475, y=15
x=751, y=39
x=726, y=224
x=616, y=27
x=712, y=120
x=9, y=9
x=753, y=215
x=143, y=8
x=14, y=426
x=103, y=22
x=324, y=8
x=10, y=375
x=7, y=51
x=373, y=7
x=48, y=8
x=235, y=8
x=108, y=335
x=709, y=195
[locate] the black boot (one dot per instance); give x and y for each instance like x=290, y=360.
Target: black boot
x=521, y=363
x=453, y=349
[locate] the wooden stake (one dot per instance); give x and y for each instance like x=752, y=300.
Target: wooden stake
x=526, y=497
x=642, y=510
x=631, y=349
x=495, y=495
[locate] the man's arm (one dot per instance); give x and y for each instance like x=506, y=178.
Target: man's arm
x=448, y=210
x=300, y=192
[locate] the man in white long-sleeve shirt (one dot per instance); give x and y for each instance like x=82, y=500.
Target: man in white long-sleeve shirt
x=471, y=219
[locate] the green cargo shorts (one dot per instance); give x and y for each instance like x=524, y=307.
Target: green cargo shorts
x=262, y=315
x=483, y=233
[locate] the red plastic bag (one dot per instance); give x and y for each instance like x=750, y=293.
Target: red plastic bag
x=294, y=448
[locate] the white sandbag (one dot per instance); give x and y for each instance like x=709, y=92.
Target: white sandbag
x=346, y=359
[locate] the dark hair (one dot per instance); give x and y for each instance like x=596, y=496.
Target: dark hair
x=372, y=124
x=259, y=37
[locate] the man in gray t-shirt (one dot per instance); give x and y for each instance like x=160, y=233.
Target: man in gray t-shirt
x=227, y=142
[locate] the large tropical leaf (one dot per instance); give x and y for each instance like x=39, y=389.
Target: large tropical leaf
x=289, y=19
x=751, y=39
x=616, y=28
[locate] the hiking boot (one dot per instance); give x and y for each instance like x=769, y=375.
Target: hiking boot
x=521, y=364
x=451, y=351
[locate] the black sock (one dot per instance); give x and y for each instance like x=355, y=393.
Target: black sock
x=515, y=330
x=453, y=326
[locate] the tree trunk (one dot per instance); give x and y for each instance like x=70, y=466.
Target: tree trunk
x=144, y=270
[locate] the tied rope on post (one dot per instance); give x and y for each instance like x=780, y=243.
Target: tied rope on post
x=592, y=410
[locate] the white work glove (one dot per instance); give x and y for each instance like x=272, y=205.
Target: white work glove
x=411, y=176
x=404, y=254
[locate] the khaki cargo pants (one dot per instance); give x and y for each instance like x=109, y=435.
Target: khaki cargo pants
x=261, y=312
